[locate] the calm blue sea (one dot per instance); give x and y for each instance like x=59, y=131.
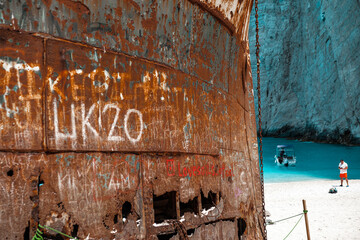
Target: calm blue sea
x=314, y=161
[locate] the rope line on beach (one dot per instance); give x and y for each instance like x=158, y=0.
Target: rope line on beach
x=301, y=216
x=294, y=226
x=270, y=223
x=38, y=235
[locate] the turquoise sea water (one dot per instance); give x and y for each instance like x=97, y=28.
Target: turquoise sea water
x=314, y=161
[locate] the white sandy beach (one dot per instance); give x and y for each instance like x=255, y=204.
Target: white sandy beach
x=331, y=216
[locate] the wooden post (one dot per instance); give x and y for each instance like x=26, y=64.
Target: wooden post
x=306, y=220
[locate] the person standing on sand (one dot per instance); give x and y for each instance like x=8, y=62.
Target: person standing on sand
x=343, y=172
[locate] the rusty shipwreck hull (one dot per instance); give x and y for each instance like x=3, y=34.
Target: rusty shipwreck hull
x=127, y=120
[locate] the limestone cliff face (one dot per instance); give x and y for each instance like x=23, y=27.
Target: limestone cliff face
x=310, y=68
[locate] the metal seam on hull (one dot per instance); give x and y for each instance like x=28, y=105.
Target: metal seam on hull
x=150, y=153
x=216, y=14
x=44, y=94
x=145, y=60
x=171, y=229
x=229, y=95
x=160, y=64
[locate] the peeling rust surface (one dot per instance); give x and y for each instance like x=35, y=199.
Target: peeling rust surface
x=109, y=102
x=127, y=120
x=21, y=82
x=19, y=198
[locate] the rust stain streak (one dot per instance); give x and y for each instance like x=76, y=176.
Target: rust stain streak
x=44, y=95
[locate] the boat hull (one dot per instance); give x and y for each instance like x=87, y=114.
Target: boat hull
x=285, y=162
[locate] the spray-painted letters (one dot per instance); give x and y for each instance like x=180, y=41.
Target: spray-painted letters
x=87, y=118
x=207, y=169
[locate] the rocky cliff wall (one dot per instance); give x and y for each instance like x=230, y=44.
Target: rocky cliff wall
x=310, y=69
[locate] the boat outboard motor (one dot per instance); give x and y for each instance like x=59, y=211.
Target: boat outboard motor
x=286, y=163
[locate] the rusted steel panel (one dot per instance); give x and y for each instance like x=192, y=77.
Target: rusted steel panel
x=156, y=30
x=18, y=195
x=193, y=178
x=164, y=31
x=142, y=113
x=89, y=190
x=201, y=128
x=218, y=230
x=234, y=14
x=189, y=175
x=238, y=71
x=21, y=83
x=237, y=122
x=222, y=115
x=210, y=51
x=242, y=192
x=103, y=101
x=235, y=188
x=251, y=135
x=94, y=95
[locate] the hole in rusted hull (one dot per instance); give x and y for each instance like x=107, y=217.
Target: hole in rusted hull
x=166, y=236
x=27, y=232
x=41, y=182
x=190, y=206
x=241, y=224
x=10, y=173
x=75, y=230
x=209, y=201
x=56, y=237
x=164, y=206
x=190, y=232
x=116, y=219
x=126, y=209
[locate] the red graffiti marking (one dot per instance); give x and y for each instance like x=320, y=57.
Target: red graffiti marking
x=170, y=166
x=204, y=170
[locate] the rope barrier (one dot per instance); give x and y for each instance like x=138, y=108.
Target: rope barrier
x=300, y=214
x=294, y=226
x=38, y=234
x=284, y=219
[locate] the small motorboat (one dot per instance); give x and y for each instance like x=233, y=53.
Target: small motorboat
x=285, y=155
